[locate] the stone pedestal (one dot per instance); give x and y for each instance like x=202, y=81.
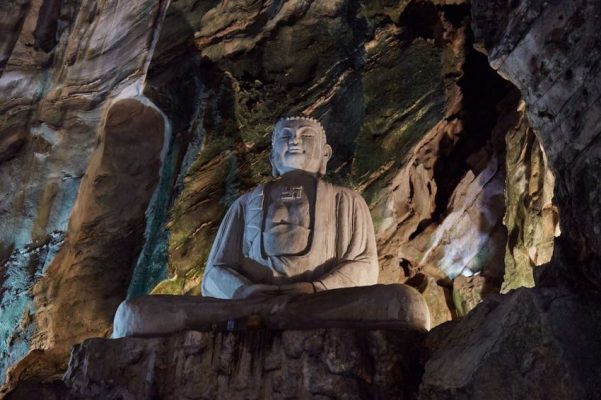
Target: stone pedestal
x=261, y=364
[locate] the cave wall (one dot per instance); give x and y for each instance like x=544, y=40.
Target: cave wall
x=400, y=92
x=419, y=122
x=63, y=63
x=531, y=217
x=551, y=52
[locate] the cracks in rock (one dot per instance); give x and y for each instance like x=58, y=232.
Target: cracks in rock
x=46, y=30
x=496, y=62
x=254, y=26
x=567, y=73
x=9, y=44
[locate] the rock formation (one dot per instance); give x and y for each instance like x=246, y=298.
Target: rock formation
x=248, y=365
x=536, y=343
x=531, y=218
x=467, y=159
x=551, y=53
x=63, y=65
x=539, y=343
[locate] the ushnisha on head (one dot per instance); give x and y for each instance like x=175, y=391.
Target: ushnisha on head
x=299, y=144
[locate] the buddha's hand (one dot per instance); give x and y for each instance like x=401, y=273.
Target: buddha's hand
x=297, y=288
x=256, y=290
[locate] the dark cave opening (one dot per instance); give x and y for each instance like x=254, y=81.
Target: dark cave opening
x=483, y=89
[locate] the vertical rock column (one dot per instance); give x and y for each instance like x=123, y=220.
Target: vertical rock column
x=89, y=276
x=61, y=63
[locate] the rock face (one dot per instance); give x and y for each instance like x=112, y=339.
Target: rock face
x=326, y=363
x=551, y=52
x=103, y=238
x=537, y=343
x=417, y=118
x=62, y=65
x=531, y=218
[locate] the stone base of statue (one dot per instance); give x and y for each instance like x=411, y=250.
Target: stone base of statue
x=259, y=364
x=369, y=307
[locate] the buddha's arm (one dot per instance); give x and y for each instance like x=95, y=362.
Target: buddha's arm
x=222, y=277
x=358, y=257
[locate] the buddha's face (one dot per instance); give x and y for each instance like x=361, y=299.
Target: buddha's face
x=299, y=145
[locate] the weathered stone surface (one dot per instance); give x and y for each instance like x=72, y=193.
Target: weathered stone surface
x=105, y=229
x=531, y=218
x=551, y=52
x=537, y=343
x=61, y=62
x=323, y=363
x=412, y=109
x=104, y=234
x=468, y=292
x=438, y=296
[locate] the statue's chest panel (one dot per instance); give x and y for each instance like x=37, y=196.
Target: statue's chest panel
x=288, y=219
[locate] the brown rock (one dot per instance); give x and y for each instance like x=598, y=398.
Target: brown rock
x=531, y=217
x=551, y=52
x=468, y=292
x=61, y=63
x=106, y=228
x=437, y=294
x=323, y=363
x=528, y=344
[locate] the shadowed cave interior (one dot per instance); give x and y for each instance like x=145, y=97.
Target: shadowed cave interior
x=470, y=128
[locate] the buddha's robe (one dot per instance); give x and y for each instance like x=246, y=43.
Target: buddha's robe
x=333, y=249
x=341, y=251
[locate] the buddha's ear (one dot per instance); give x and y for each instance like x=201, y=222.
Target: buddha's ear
x=274, y=170
x=327, y=154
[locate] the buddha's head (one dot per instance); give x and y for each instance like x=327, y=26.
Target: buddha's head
x=299, y=144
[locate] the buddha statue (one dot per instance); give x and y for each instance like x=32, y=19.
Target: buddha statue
x=295, y=253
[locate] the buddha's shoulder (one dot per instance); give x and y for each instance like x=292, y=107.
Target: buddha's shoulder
x=254, y=194
x=344, y=192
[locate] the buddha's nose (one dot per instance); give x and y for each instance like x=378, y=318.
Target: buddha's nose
x=295, y=138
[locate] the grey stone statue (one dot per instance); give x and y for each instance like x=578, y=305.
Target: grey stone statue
x=295, y=253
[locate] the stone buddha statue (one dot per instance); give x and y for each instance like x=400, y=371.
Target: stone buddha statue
x=294, y=253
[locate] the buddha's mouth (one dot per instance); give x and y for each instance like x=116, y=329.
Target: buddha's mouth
x=295, y=151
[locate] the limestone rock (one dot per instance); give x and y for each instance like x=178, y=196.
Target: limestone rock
x=437, y=294
x=537, y=343
x=105, y=230
x=531, y=218
x=468, y=292
x=551, y=52
x=61, y=63
x=323, y=363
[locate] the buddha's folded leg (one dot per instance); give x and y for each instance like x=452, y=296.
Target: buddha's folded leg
x=377, y=306
x=393, y=305
x=162, y=314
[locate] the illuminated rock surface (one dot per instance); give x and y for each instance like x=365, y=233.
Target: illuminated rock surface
x=551, y=52
x=398, y=80
x=543, y=342
x=63, y=64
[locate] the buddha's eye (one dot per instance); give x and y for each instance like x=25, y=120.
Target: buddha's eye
x=307, y=132
x=285, y=134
